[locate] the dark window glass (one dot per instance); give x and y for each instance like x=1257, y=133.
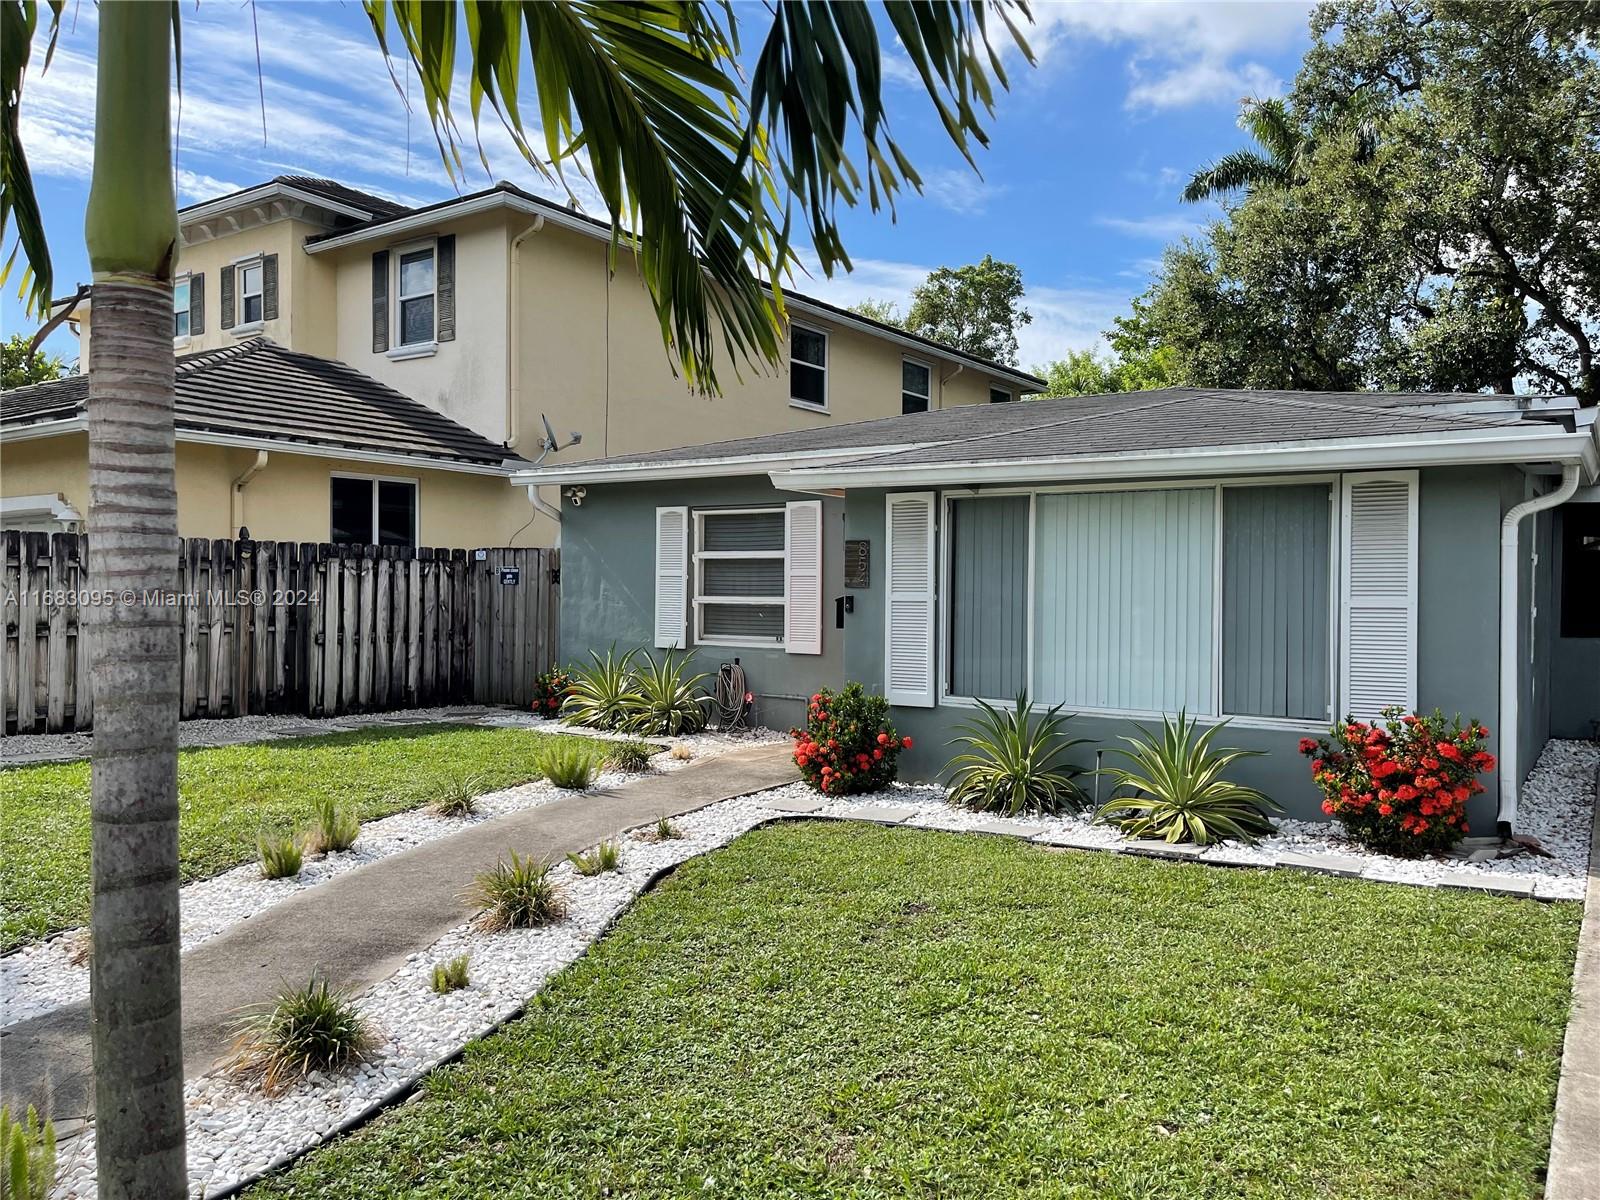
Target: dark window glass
x=397, y=513
x=416, y=321
x=915, y=387
x=352, y=509
x=808, y=366
x=998, y=395
x=1580, y=570
x=250, y=294
x=751, y=622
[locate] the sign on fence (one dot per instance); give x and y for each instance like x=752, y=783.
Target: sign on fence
x=286, y=627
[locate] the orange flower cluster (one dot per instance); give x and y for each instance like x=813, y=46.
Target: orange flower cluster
x=848, y=744
x=1400, y=785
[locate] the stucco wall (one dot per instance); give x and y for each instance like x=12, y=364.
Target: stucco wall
x=288, y=500
x=608, y=588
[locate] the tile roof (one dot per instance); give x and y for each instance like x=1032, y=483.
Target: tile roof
x=1173, y=418
x=259, y=389
x=330, y=189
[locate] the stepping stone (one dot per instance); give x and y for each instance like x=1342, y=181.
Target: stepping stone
x=1006, y=828
x=1498, y=885
x=1073, y=840
x=1155, y=848
x=1323, y=864
x=1385, y=874
x=793, y=806
x=882, y=813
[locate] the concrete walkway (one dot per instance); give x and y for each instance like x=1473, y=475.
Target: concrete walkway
x=1575, y=1140
x=358, y=928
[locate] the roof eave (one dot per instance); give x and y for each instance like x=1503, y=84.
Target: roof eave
x=1456, y=448
x=706, y=468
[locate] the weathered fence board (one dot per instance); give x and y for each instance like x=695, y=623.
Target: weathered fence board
x=280, y=627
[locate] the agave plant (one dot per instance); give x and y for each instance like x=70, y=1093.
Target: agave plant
x=1016, y=762
x=667, y=701
x=599, y=694
x=1179, y=794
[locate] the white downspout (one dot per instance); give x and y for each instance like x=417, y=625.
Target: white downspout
x=1510, y=529
x=236, y=493
x=549, y=510
x=945, y=379
x=514, y=329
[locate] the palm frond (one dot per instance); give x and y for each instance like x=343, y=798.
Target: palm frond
x=1274, y=129
x=19, y=21
x=1242, y=170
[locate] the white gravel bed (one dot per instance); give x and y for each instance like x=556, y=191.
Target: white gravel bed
x=41, y=977
x=235, y=1131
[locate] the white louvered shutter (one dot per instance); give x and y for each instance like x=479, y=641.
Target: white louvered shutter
x=802, y=578
x=672, y=577
x=909, y=616
x=1378, y=609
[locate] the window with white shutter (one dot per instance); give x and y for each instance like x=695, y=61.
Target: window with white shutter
x=909, y=614
x=802, y=600
x=672, y=577
x=1378, y=594
x=740, y=576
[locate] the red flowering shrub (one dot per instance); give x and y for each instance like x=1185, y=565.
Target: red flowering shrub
x=550, y=692
x=848, y=744
x=1401, y=785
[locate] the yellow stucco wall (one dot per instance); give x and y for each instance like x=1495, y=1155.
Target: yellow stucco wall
x=288, y=500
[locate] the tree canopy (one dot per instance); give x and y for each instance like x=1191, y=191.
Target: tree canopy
x=20, y=365
x=976, y=308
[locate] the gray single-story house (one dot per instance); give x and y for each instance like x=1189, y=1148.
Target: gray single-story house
x=1276, y=558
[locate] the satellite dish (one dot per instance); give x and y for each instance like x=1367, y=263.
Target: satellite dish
x=549, y=445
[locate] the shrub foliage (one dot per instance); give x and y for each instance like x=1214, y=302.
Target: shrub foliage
x=518, y=895
x=450, y=976
x=848, y=744
x=305, y=1029
x=550, y=690
x=1015, y=762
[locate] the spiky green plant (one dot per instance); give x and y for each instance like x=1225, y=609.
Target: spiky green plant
x=450, y=976
x=333, y=827
x=517, y=895
x=568, y=765
x=280, y=854
x=607, y=856
x=665, y=831
x=307, y=1028
x=632, y=758
x=459, y=796
x=667, y=700
x=1015, y=762
x=1178, y=791
x=29, y=1149
x=600, y=693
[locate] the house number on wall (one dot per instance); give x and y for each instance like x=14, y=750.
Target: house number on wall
x=857, y=563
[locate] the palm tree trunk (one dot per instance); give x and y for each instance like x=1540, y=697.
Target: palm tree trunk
x=133, y=553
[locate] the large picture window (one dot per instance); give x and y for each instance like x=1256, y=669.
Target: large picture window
x=739, y=557
x=370, y=511
x=1213, y=599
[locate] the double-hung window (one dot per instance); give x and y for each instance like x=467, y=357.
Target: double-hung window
x=1218, y=600
x=251, y=278
x=808, y=367
x=916, y=385
x=373, y=511
x=415, y=295
x=999, y=396
x=739, y=557
x=180, y=307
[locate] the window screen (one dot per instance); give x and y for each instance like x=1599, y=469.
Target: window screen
x=250, y=293
x=1275, y=597
x=988, y=597
x=416, y=297
x=1123, y=599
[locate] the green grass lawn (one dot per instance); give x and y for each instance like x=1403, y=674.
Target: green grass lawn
x=226, y=795
x=853, y=1011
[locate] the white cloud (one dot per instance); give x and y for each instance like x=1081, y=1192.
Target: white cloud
x=1203, y=81
x=1164, y=227
x=959, y=190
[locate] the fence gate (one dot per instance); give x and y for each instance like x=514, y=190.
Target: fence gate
x=517, y=605
x=305, y=628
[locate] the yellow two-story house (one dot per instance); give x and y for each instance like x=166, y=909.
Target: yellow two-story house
x=352, y=370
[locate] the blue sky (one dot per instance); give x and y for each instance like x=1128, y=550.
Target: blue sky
x=1079, y=185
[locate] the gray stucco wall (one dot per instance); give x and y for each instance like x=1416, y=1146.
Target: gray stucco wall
x=608, y=586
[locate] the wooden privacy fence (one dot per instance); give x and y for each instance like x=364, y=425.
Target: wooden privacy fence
x=282, y=627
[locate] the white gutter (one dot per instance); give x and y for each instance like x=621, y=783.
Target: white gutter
x=1510, y=530
x=513, y=331
x=703, y=468
x=390, y=230
x=44, y=429
x=1508, y=444
x=236, y=492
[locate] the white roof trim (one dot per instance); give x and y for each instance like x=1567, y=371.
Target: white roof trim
x=269, y=191
x=45, y=504
x=1509, y=444
x=389, y=230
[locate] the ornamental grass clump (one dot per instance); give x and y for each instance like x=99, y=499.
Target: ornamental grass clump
x=598, y=695
x=1178, y=791
x=333, y=828
x=848, y=745
x=28, y=1147
x=309, y=1028
x=607, y=856
x=667, y=701
x=568, y=765
x=450, y=976
x=1400, y=785
x=280, y=854
x=631, y=758
x=459, y=797
x=517, y=895
x=1016, y=762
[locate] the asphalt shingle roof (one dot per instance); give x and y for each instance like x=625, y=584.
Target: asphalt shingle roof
x=263, y=390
